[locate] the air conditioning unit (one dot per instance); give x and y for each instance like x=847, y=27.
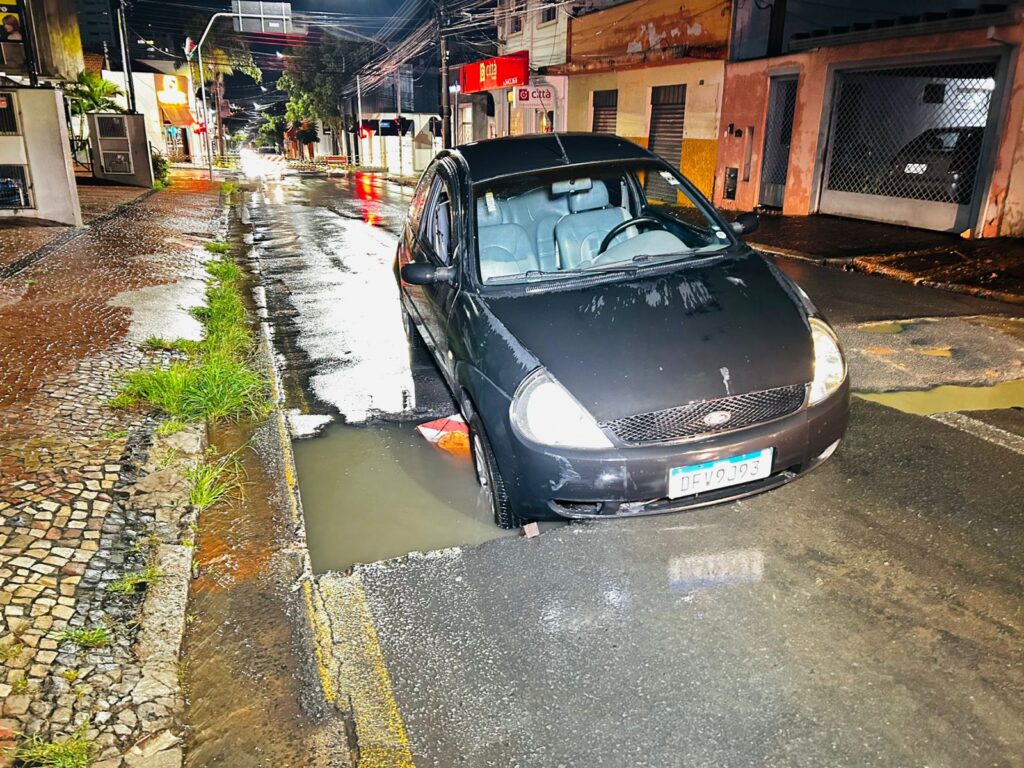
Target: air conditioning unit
x=118, y=162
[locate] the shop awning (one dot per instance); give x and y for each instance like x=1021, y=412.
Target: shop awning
x=177, y=114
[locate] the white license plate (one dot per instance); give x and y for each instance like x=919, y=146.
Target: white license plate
x=917, y=168
x=698, y=478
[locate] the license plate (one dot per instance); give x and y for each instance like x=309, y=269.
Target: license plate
x=698, y=478
x=917, y=168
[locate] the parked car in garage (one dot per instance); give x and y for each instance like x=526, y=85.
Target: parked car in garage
x=939, y=164
x=612, y=356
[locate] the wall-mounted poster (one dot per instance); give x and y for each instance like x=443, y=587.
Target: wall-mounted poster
x=12, y=38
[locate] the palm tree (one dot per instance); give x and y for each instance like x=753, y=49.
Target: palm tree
x=91, y=93
x=225, y=52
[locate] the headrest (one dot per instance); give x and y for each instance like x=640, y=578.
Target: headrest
x=594, y=198
x=485, y=217
x=570, y=185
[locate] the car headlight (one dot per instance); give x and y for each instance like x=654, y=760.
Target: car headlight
x=544, y=412
x=829, y=365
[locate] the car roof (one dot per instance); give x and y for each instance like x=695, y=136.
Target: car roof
x=511, y=156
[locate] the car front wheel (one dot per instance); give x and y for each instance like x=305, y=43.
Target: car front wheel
x=490, y=479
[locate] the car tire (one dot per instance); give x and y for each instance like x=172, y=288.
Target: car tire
x=490, y=479
x=411, y=334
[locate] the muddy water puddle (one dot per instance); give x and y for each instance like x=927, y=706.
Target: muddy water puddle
x=379, y=491
x=949, y=399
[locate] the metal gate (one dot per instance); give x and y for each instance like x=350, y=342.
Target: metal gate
x=606, y=111
x=668, y=113
x=778, y=135
x=907, y=144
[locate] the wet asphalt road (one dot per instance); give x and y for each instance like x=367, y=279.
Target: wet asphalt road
x=868, y=614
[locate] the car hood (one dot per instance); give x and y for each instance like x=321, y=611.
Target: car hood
x=702, y=331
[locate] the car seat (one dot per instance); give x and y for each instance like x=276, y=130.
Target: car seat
x=579, y=234
x=504, y=248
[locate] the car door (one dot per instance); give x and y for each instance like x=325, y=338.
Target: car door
x=436, y=242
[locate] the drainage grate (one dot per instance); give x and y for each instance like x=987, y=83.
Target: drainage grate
x=687, y=421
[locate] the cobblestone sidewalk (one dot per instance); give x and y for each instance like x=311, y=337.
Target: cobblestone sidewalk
x=71, y=517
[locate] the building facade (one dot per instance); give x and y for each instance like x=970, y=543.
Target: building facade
x=652, y=71
x=904, y=119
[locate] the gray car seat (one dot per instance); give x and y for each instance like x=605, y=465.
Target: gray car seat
x=590, y=218
x=504, y=248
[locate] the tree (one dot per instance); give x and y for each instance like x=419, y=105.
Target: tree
x=318, y=79
x=270, y=131
x=224, y=53
x=91, y=93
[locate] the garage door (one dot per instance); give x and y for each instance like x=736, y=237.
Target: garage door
x=906, y=145
x=668, y=112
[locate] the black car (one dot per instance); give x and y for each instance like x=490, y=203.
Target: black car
x=613, y=356
x=939, y=164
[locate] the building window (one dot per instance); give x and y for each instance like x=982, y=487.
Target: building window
x=14, y=192
x=8, y=115
x=549, y=12
x=515, y=22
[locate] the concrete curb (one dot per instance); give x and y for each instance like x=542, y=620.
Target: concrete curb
x=875, y=265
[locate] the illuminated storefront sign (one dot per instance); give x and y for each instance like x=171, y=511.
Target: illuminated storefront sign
x=500, y=72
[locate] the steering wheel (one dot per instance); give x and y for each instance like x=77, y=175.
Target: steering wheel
x=624, y=225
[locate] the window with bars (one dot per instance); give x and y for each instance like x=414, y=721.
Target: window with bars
x=606, y=110
x=8, y=114
x=14, y=191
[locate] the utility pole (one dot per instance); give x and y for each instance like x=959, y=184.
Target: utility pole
x=29, y=38
x=359, y=118
x=398, y=103
x=122, y=31
x=446, y=107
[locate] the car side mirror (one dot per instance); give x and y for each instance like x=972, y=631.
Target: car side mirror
x=427, y=274
x=745, y=223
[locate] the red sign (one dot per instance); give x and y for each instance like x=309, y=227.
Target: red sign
x=501, y=72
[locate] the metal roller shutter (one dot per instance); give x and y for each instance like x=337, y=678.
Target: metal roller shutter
x=668, y=111
x=606, y=110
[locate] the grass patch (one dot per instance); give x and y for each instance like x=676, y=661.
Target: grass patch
x=170, y=427
x=219, y=379
x=10, y=652
x=19, y=686
x=115, y=434
x=210, y=482
x=87, y=637
x=129, y=583
x=217, y=247
x=75, y=751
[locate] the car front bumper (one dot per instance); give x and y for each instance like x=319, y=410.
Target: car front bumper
x=630, y=481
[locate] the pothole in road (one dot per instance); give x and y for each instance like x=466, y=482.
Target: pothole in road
x=380, y=491
x=950, y=398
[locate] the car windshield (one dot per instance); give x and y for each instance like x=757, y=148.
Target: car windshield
x=573, y=221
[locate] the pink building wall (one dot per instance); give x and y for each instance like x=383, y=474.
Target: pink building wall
x=745, y=100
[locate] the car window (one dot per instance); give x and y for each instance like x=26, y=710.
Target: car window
x=420, y=196
x=568, y=221
x=437, y=225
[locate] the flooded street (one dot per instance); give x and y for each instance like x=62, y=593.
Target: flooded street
x=372, y=488
x=869, y=612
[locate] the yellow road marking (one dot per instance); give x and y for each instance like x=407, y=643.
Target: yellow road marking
x=362, y=678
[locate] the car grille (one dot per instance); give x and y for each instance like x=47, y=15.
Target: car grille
x=687, y=421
